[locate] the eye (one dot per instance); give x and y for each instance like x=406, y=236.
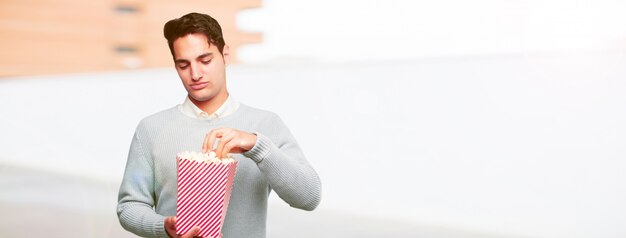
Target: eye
x=206, y=61
x=183, y=66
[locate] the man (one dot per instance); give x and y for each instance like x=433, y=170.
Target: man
x=268, y=156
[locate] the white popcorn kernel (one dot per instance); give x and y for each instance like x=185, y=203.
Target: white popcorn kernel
x=210, y=157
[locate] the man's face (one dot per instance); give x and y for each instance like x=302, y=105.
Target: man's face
x=201, y=67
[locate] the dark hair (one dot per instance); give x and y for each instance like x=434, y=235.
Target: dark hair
x=194, y=23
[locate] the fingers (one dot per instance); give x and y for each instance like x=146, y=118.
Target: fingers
x=204, y=144
x=230, y=141
x=226, y=143
x=228, y=147
x=170, y=226
x=209, y=139
x=191, y=233
x=170, y=222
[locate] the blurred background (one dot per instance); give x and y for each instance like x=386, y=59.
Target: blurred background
x=423, y=118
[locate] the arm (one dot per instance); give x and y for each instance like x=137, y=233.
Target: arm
x=289, y=174
x=135, y=208
x=278, y=157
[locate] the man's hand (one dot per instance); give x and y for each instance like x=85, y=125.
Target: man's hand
x=230, y=141
x=170, y=228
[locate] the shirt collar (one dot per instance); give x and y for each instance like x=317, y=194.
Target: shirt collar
x=188, y=108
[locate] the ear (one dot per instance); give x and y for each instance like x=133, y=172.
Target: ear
x=226, y=54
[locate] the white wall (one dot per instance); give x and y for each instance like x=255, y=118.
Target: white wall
x=521, y=146
x=495, y=116
x=364, y=30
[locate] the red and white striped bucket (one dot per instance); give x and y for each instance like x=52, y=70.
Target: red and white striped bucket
x=203, y=194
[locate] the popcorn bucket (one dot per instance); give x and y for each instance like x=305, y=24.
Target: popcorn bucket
x=204, y=189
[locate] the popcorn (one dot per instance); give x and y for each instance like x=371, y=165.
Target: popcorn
x=210, y=157
x=205, y=183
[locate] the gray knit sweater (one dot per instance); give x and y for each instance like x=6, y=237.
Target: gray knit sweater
x=148, y=191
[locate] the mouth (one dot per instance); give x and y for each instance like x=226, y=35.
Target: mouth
x=198, y=86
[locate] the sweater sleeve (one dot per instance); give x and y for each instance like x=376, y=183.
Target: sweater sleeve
x=282, y=162
x=136, y=199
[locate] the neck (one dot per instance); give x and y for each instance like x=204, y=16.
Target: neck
x=211, y=105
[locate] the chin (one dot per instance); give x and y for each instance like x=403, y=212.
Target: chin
x=201, y=98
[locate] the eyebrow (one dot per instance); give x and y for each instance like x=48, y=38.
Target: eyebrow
x=204, y=55
x=199, y=57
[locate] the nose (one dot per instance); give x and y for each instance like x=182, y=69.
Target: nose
x=196, y=73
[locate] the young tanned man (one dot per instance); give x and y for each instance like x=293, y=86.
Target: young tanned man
x=268, y=156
